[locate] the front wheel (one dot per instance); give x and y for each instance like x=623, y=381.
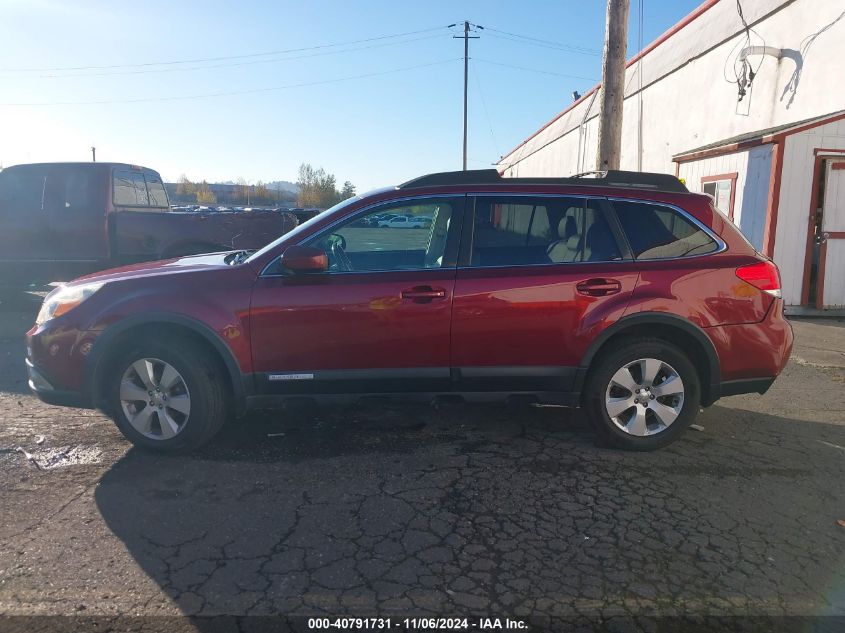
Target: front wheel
x=643, y=395
x=167, y=396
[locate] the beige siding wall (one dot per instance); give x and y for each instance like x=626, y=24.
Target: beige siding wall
x=686, y=101
x=794, y=205
x=753, y=168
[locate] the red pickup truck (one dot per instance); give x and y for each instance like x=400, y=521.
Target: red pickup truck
x=62, y=220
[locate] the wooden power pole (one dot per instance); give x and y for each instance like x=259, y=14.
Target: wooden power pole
x=612, y=85
x=466, y=37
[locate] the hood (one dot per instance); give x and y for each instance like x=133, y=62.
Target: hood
x=192, y=263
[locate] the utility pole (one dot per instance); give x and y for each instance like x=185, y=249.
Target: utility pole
x=612, y=85
x=466, y=37
x=93, y=154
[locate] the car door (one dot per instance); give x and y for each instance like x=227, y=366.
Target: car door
x=538, y=277
x=377, y=321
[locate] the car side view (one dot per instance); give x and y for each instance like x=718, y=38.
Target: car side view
x=621, y=293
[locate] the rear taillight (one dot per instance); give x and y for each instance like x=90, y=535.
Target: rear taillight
x=764, y=276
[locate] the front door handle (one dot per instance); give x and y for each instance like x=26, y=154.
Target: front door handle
x=423, y=294
x=599, y=287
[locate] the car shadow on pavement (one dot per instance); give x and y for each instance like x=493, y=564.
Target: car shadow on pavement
x=483, y=510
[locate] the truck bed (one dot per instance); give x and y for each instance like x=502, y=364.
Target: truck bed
x=141, y=235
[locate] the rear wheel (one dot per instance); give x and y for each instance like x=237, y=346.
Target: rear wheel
x=643, y=395
x=167, y=397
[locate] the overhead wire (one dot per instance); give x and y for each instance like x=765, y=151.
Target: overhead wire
x=533, y=70
x=224, y=57
x=546, y=46
x=484, y=106
x=233, y=92
x=744, y=76
x=172, y=69
x=546, y=43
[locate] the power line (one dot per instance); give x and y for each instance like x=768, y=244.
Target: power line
x=234, y=92
x=583, y=49
x=533, y=70
x=525, y=39
x=486, y=111
x=226, y=65
x=225, y=57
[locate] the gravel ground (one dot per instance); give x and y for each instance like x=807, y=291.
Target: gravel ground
x=457, y=511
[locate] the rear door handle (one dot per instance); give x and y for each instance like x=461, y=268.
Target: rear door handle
x=599, y=287
x=423, y=294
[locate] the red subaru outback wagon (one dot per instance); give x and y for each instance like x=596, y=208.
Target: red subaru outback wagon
x=621, y=293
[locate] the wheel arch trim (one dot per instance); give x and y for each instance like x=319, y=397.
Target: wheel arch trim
x=710, y=392
x=241, y=386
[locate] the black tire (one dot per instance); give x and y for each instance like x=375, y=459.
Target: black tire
x=202, y=375
x=608, y=364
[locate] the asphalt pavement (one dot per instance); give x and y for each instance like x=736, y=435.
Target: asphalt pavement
x=411, y=511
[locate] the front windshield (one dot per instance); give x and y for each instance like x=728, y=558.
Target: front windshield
x=302, y=227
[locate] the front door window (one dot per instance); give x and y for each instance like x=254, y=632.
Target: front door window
x=407, y=236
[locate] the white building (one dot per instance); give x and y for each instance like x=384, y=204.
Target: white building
x=774, y=160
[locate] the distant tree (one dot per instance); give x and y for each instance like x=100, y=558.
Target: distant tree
x=260, y=193
x=348, y=190
x=185, y=187
x=316, y=188
x=205, y=195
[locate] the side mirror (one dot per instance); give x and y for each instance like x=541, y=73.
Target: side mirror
x=305, y=259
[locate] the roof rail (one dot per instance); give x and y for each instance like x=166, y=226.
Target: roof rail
x=610, y=178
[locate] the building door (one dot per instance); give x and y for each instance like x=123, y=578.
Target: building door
x=831, y=238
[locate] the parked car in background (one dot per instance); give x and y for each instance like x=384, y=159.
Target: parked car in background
x=62, y=220
x=624, y=294
x=405, y=222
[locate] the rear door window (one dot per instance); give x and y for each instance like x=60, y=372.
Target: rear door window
x=130, y=189
x=525, y=231
x=69, y=190
x=655, y=231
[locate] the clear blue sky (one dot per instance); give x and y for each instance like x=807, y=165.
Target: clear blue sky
x=373, y=130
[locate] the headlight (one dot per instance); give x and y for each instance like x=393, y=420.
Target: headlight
x=63, y=300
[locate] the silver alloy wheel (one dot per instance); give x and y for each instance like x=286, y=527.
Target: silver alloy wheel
x=644, y=397
x=155, y=398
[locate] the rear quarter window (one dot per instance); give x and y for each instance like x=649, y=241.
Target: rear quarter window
x=655, y=231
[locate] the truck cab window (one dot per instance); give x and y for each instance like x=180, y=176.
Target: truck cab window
x=130, y=189
x=155, y=189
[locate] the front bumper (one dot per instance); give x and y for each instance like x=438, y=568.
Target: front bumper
x=43, y=388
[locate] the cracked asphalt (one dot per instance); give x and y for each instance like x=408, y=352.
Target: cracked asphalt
x=456, y=511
